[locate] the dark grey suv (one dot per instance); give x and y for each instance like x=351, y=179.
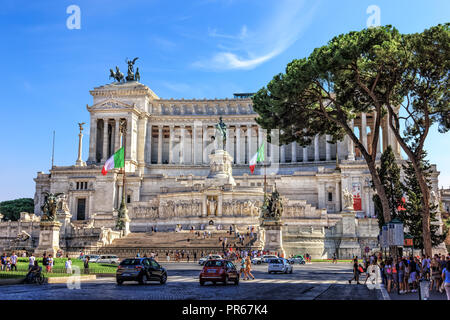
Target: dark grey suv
x=141, y=270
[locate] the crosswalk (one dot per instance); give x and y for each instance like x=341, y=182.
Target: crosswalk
x=193, y=279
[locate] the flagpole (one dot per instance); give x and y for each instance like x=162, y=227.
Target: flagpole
x=122, y=218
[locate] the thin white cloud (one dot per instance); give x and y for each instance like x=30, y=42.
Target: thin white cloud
x=248, y=49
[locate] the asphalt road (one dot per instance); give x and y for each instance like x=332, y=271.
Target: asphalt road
x=321, y=281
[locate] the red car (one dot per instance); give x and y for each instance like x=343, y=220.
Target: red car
x=219, y=271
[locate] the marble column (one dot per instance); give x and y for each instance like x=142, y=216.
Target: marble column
x=238, y=144
x=321, y=194
x=363, y=131
x=105, y=140
x=205, y=144
x=149, y=143
x=116, y=134
x=171, y=127
x=160, y=142
x=305, y=154
x=249, y=143
x=183, y=133
x=337, y=194
x=92, y=139
x=229, y=144
x=275, y=147
x=194, y=143
x=294, y=152
x=283, y=153
x=328, y=147
x=316, y=148
x=351, y=149
x=142, y=128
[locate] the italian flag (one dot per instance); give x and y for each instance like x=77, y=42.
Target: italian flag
x=257, y=157
x=117, y=160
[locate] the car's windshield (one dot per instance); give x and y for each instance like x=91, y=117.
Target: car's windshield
x=214, y=263
x=130, y=262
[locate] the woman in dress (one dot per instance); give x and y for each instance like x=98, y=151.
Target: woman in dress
x=248, y=265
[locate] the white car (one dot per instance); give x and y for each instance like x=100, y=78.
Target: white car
x=266, y=258
x=203, y=260
x=92, y=257
x=280, y=265
x=111, y=259
x=256, y=260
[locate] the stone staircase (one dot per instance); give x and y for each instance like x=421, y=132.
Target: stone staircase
x=162, y=242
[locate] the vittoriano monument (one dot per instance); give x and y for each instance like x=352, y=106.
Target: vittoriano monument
x=271, y=212
x=131, y=75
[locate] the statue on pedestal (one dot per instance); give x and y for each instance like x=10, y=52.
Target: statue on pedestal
x=272, y=208
x=221, y=128
x=348, y=200
x=50, y=206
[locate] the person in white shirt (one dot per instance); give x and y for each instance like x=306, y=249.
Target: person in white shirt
x=13, y=261
x=69, y=266
x=31, y=260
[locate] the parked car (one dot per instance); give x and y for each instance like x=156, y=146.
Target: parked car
x=280, y=265
x=257, y=260
x=219, y=271
x=202, y=261
x=111, y=259
x=266, y=258
x=297, y=259
x=92, y=257
x=141, y=270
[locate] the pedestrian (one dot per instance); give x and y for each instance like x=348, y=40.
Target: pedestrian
x=69, y=266
x=195, y=256
x=187, y=257
x=413, y=274
x=86, y=265
x=241, y=262
x=446, y=278
x=167, y=256
x=334, y=258
x=355, y=271
x=248, y=268
x=3, y=262
x=435, y=274
x=50, y=264
x=31, y=260
x=401, y=275
x=13, y=261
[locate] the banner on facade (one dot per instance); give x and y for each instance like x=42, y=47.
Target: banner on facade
x=356, y=191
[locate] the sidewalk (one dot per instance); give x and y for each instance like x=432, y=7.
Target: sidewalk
x=415, y=296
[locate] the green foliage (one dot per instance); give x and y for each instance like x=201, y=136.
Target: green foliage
x=11, y=209
x=389, y=173
x=412, y=217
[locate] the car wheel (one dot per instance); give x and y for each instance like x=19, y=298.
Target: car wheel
x=270, y=272
x=225, y=281
x=163, y=279
x=142, y=279
x=259, y=262
x=214, y=283
x=236, y=282
x=119, y=282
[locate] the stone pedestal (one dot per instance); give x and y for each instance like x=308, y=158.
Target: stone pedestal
x=48, y=238
x=220, y=173
x=273, y=239
x=349, y=245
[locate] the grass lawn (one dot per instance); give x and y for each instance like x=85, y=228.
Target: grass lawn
x=59, y=269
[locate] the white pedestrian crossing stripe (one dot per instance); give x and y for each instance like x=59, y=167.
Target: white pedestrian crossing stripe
x=263, y=281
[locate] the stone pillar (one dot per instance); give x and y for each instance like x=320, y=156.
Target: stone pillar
x=142, y=128
x=328, y=147
x=160, y=142
x=321, y=194
x=305, y=154
x=194, y=143
x=337, y=201
x=48, y=238
x=283, y=153
x=92, y=139
x=229, y=145
x=116, y=134
x=149, y=143
x=205, y=143
x=171, y=144
x=219, y=205
x=363, y=131
x=294, y=152
x=105, y=140
x=351, y=149
x=316, y=148
x=182, y=133
x=249, y=142
x=204, y=209
x=238, y=144
x=80, y=161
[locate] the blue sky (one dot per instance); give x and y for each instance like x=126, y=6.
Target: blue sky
x=186, y=49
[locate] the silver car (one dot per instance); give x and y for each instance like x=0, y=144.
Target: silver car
x=110, y=259
x=280, y=265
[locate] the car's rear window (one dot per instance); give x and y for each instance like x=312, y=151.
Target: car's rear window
x=276, y=261
x=215, y=263
x=130, y=262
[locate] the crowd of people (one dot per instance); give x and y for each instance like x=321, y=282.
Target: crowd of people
x=8, y=263
x=405, y=274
